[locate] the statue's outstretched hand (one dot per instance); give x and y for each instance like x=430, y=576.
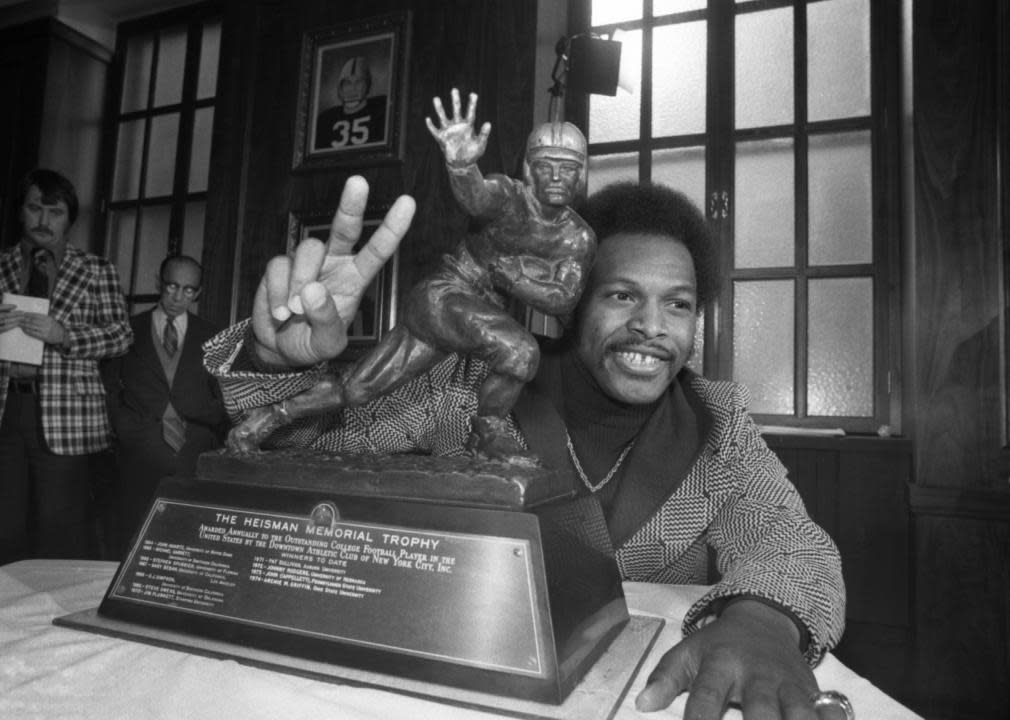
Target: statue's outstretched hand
x=305, y=302
x=460, y=145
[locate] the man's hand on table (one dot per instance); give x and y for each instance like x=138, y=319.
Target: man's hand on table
x=749, y=656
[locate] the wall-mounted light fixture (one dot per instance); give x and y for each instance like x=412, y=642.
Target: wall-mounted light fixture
x=585, y=64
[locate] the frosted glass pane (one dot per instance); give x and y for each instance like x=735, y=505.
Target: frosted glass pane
x=764, y=68
x=841, y=203
x=838, y=59
x=199, y=161
x=129, y=154
x=120, y=245
x=682, y=169
x=840, y=347
x=152, y=248
x=618, y=117
x=137, y=73
x=678, y=79
x=605, y=12
x=763, y=315
x=161, y=155
x=665, y=7
x=171, y=67
x=763, y=211
x=192, y=232
x=210, y=52
x=606, y=169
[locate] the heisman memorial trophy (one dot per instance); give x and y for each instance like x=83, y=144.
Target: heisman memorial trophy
x=478, y=579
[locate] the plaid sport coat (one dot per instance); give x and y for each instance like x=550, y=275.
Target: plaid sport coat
x=735, y=499
x=88, y=301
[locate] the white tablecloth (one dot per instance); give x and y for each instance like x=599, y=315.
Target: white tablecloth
x=55, y=673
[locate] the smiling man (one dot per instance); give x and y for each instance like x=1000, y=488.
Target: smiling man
x=634, y=359
x=677, y=464
x=681, y=470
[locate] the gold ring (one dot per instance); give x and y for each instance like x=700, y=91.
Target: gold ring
x=832, y=700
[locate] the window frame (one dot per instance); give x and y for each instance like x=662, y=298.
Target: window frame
x=194, y=18
x=720, y=142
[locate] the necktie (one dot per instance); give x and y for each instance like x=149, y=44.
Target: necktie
x=173, y=428
x=38, y=281
x=171, y=337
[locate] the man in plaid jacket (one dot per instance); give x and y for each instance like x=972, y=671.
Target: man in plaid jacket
x=53, y=416
x=678, y=465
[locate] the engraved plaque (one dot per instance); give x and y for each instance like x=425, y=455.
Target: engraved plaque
x=354, y=582
x=507, y=593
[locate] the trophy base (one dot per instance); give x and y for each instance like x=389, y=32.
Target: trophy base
x=597, y=697
x=475, y=576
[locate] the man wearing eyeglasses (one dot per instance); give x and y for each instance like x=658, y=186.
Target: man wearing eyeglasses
x=166, y=408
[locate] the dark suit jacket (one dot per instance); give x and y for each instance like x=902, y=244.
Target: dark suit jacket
x=139, y=394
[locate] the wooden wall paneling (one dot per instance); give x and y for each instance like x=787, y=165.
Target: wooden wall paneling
x=856, y=489
x=873, y=531
x=22, y=74
x=71, y=127
x=54, y=80
x=12, y=144
x=958, y=252
x=266, y=184
x=228, y=166
x=873, y=538
x=960, y=501
x=814, y=472
x=962, y=617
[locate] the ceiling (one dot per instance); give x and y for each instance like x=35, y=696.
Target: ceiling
x=113, y=9
x=95, y=18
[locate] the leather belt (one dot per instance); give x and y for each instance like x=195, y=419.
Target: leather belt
x=25, y=386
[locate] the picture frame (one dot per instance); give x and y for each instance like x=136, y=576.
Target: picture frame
x=352, y=93
x=377, y=313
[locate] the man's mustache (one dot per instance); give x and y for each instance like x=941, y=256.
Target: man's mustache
x=41, y=229
x=633, y=346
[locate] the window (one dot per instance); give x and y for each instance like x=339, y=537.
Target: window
x=779, y=119
x=165, y=90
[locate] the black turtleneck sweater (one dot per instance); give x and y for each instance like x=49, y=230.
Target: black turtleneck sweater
x=600, y=427
x=667, y=436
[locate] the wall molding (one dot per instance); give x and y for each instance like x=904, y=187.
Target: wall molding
x=992, y=505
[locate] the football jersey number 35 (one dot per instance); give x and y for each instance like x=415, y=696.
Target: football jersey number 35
x=354, y=131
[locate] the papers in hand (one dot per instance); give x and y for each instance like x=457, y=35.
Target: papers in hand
x=14, y=344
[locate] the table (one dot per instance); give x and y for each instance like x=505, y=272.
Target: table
x=55, y=673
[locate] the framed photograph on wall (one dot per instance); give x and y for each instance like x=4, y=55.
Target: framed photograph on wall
x=352, y=93
x=377, y=312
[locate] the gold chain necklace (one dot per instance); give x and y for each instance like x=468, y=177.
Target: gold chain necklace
x=582, y=473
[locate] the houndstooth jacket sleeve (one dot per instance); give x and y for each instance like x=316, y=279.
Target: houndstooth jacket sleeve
x=430, y=414
x=737, y=500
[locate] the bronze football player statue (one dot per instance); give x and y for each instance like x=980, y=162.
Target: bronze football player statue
x=531, y=246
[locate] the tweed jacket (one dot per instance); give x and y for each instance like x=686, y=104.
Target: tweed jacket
x=88, y=300
x=734, y=499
